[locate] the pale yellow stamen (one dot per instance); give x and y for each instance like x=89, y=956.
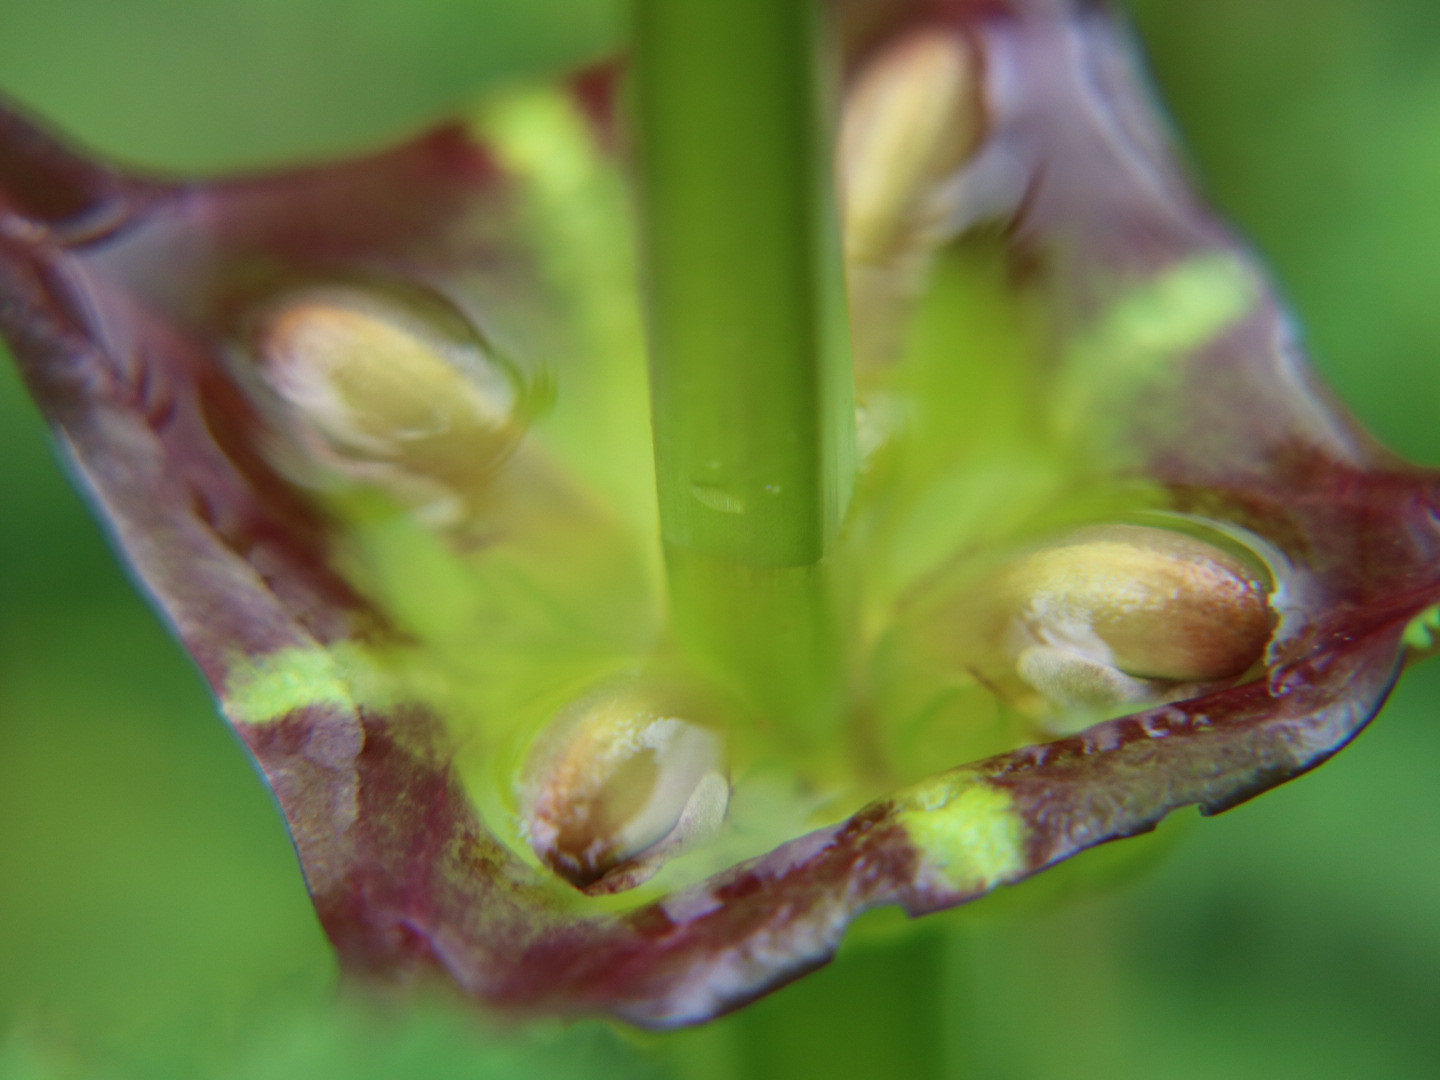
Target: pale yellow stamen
x=1122, y=616
x=914, y=115
x=374, y=393
x=617, y=777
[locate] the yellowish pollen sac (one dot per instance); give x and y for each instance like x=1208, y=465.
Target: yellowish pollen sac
x=913, y=117
x=376, y=393
x=617, y=785
x=1128, y=614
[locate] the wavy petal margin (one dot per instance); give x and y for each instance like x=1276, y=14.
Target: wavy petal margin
x=97, y=303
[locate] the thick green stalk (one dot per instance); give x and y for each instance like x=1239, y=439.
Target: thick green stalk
x=877, y=1012
x=881, y=1010
x=753, y=400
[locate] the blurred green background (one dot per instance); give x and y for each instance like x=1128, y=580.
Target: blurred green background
x=152, y=918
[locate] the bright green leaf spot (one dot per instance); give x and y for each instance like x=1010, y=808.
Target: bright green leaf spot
x=1420, y=633
x=1137, y=340
x=967, y=831
x=345, y=676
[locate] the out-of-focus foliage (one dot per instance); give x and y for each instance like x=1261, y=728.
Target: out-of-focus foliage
x=152, y=918
x=1314, y=126
x=231, y=83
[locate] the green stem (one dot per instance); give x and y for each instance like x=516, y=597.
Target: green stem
x=877, y=1012
x=753, y=399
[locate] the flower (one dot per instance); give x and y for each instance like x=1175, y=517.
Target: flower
x=390, y=601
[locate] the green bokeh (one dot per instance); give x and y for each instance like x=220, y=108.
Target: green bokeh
x=152, y=918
